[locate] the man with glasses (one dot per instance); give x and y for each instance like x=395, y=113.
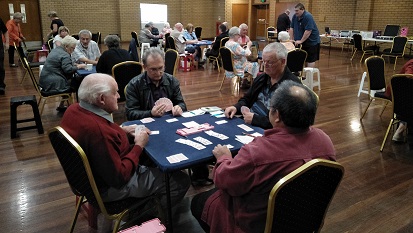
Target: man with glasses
x=257, y=98
x=145, y=89
x=87, y=51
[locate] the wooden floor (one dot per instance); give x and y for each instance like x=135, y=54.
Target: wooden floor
x=376, y=194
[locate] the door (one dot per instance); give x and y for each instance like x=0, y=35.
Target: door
x=239, y=14
x=30, y=27
x=262, y=14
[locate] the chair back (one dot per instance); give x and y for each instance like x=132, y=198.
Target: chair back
x=299, y=201
x=223, y=41
x=123, y=72
x=76, y=166
x=227, y=58
x=171, y=42
x=375, y=73
x=32, y=76
x=358, y=42
x=402, y=88
x=96, y=37
x=271, y=36
x=50, y=45
x=171, y=61
x=296, y=60
x=167, y=46
x=76, y=36
x=198, y=32
x=399, y=44
x=21, y=55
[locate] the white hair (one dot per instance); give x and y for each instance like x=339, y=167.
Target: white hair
x=283, y=36
x=93, y=86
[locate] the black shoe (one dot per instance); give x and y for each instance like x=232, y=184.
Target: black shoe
x=61, y=109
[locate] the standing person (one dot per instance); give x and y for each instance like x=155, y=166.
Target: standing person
x=304, y=31
x=113, y=159
x=15, y=36
x=3, y=46
x=243, y=37
x=55, y=24
x=112, y=56
x=283, y=21
x=87, y=51
x=243, y=183
x=257, y=98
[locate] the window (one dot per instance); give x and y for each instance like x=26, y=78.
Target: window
x=156, y=13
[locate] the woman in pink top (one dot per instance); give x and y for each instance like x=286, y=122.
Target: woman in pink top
x=243, y=38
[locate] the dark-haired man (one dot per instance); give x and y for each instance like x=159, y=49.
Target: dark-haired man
x=242, y=183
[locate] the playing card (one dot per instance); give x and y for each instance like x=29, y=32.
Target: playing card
x=245, y=127
x=139, y=128
x=167, y=102
x=244, y=109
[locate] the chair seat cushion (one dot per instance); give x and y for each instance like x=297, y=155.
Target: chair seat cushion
x=381, y=94
x=35, y=64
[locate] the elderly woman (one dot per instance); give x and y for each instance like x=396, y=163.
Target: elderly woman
x=63, y=32
x=15, y=36
x=166, y=28
x=240, y=56
x=284, y=38
x=54, y=25
x=112, y=56
x=58, y=70
x=243, y=38
x=191, y=39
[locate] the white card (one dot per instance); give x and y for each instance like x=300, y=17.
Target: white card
x=203, y=140
x=221, y=122
x=191, y=124
x=171, y=120
x=245, y=127
x=147, y=120
x=154, y=132
x=229, y=146
x=139, y=128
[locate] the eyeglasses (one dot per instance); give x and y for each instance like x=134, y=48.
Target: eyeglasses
x=270, y=63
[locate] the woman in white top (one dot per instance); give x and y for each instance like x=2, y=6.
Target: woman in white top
x=284, y=39
x=62, y=32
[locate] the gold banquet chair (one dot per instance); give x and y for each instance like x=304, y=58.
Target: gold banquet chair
x=397, y=49
x=299, y=201
x=123, y=72
x=171, y=61
x=26, y=66
x=217, y=59
x=79, y=175
x=61, y=97
x=228, y=63
x=402, y=98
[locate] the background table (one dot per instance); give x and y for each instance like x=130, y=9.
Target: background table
x=83, y=72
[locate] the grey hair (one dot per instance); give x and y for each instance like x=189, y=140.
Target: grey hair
x=93, y=86
x=152, y=51
x=17, y=15
x=52, y=14
x=283, y=36
x=233, y=31
x=296, y=104
x=243, y=25
x=68, y=41
x=85, y=31
x=166, y=25
x=278, y=49
x=112, y=41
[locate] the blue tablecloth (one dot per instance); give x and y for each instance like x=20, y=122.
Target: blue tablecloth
x=163, y=144
x=83, y=73
x=203, y=43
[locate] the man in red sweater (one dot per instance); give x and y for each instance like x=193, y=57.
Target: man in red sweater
x=114, y=161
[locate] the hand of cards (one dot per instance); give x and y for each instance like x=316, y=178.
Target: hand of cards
x=192, y=130
x=167, y=102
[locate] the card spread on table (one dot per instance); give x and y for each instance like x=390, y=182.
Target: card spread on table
x=244, y=139
x=245, y=127
x=171, y=120
x=203, y=140
x=191, y=124
x=217, y=135
x=165, y=101
x=188, y=142
x=176, y=158
x=193, y=113
x=229, y=146
x=221, y=122
x=218, y=114
x=154, y=132
x=147, y=120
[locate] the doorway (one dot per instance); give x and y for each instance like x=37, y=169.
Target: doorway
x=31, y=27
x=260, y=14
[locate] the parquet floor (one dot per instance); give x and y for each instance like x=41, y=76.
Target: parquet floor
x=375, y=194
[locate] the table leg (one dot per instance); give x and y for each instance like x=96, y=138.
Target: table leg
x=169, y=222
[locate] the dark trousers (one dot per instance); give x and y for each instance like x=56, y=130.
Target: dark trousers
x=11, y=53
x=2, y=72
x=197, y=206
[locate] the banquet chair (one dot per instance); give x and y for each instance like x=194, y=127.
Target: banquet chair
x=76, y=36
x=376, y=81
x=271, y=37
x=80, y=177
x=296, y=61
x=45, y=97
x=171, y=42
x=217, y=59
x=123, y=72
x=166, y=46
x=29, y=51
x=198, y=32
x=397, y=49
x=96, y=37
x=359, y=46
x=171, y=61
x=228, y=64
x=402, y=98
x=299, y=201
x=50, y=44
x=26, y=66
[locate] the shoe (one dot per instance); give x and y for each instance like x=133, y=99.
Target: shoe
x=61, y=109
x=398, y=137
x=13, y=65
